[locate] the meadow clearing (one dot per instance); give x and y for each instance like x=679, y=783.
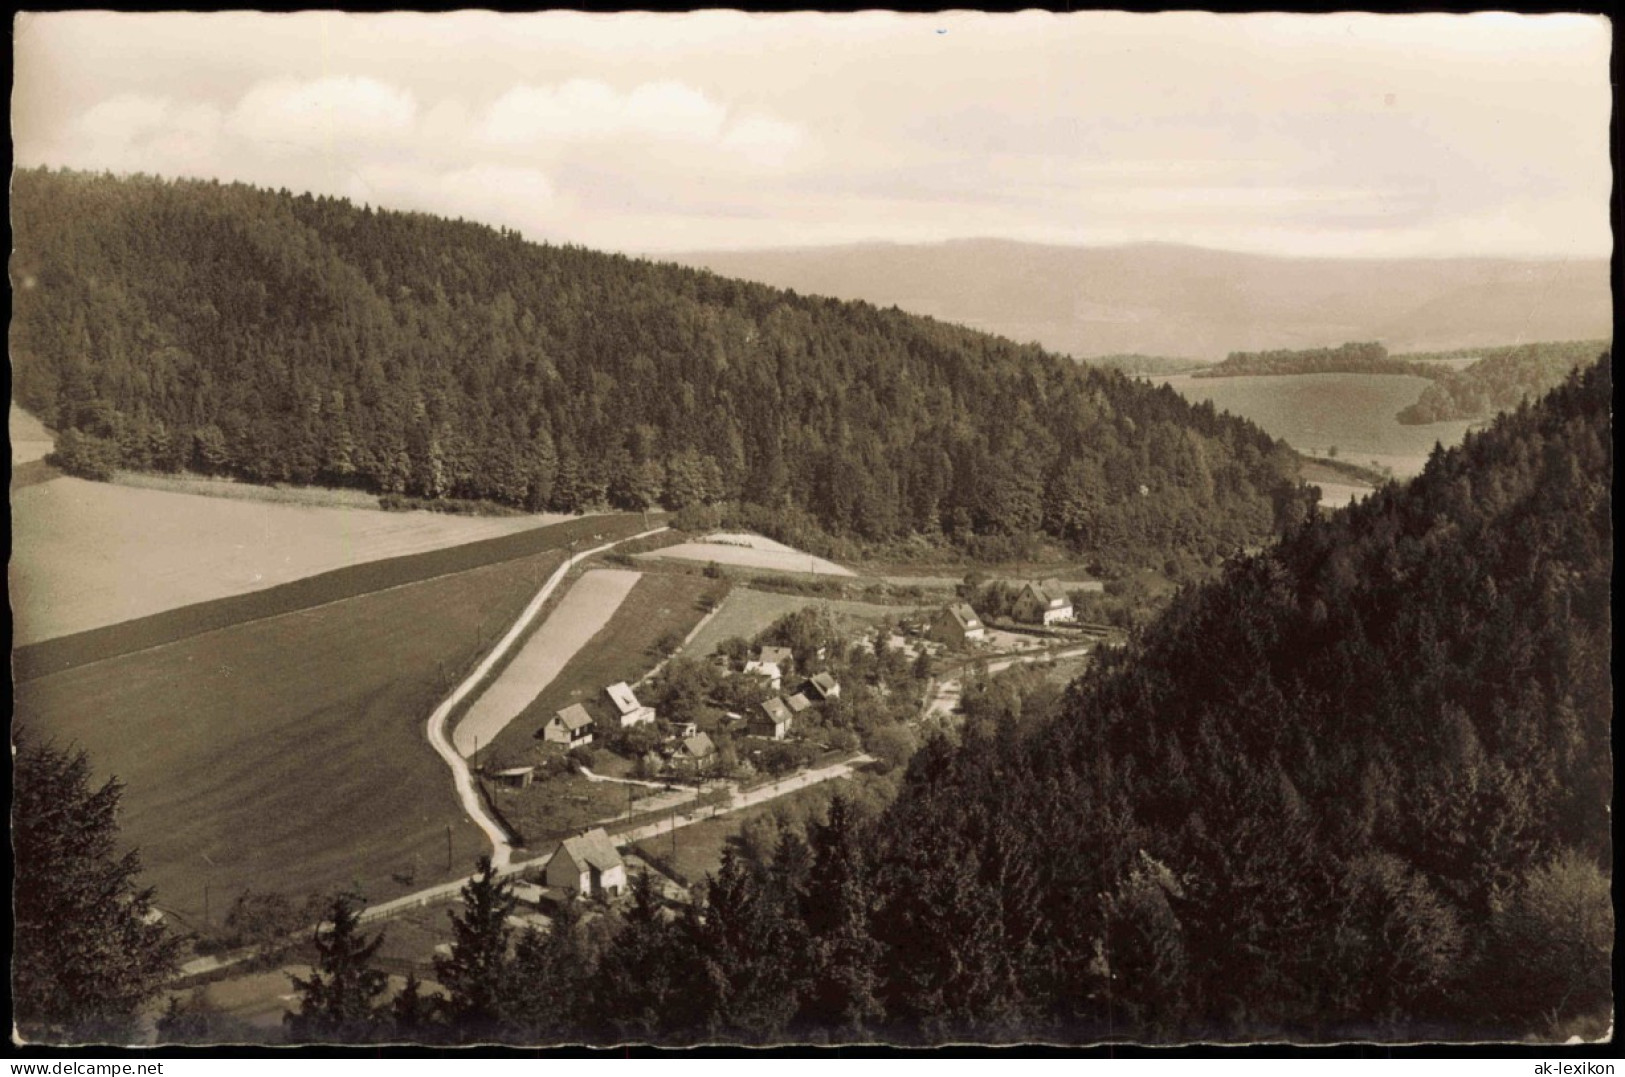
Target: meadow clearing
x=750, y=551
x=745, y=612
x=585, y=608
x=1355, y=413
x=288, y=753
x=98, y=644
x=90, y=554
x=622, y=648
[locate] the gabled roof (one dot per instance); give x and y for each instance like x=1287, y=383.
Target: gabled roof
x=620, y=694
x=779, y=656
x=1051, y=601
x=765, y=669
x=961, y=612
x=699, y=746
x=592, y=849
x=797, y=703
x=776, y=710
x=574, y=717
x=824, y=683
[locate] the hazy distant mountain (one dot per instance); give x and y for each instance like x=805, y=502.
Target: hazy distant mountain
x=1163, y=299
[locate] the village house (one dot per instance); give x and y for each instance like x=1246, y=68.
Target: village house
x=773, y=720
x=956, y=625
x=778, y=656
x=587, y=864
x=1042, y=605
x=627, y=706
x=571, y=727
x=770, y=671
x=696, y=754
x=798, y=703
x=824, y=686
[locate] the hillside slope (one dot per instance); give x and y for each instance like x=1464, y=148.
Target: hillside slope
x=1163, y=299
x=277, y=337
x=1340, y=792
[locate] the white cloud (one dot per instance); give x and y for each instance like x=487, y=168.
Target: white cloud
x=323, y=111
x=121, y=120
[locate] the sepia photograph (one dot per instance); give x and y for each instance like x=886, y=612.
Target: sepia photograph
x=811, y=530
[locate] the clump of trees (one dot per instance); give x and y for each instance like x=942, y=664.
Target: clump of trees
x=1502, y=379
x=1353, y=358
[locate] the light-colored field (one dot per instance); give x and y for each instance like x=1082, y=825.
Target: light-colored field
x=584, y=609
x=1355, y=413
x=745, y=613
x=89, y=554
x=29, y=438
x=1339, y=495
x=751, y=551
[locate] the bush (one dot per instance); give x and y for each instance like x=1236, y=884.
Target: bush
x=583, y=756
x=1558, y=933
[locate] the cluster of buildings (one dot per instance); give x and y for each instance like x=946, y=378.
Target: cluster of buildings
x=573, y=727
x=956, y=624
x=776, y=717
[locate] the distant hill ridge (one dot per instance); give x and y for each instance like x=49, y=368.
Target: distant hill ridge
x=1172, y=300
x=288, y=338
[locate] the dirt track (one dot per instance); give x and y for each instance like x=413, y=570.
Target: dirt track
x=585, y=609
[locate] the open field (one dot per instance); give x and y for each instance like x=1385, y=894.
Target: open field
x=89, y=554
x=745, y=613
x=751, y=551
x=1315, y=412
x=288, y=753
x=621, y=649
x=583, y=610
x=65, y=652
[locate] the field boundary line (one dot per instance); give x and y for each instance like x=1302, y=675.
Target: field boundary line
x=462, y=777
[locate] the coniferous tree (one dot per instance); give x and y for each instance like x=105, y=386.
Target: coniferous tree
x=545, y=994
x=475, y=972
x=85, y=958
x=339, y=1002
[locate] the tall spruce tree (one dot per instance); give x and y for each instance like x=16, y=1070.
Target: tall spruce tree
x=475, y=971
x=339, y=1003
x=85, y=957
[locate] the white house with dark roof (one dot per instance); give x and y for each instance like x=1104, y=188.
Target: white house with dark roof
x=571, y=727
x=627, y=706
x=1041, y=605
x=773, y=719
x=956, y=625
x=589, y=864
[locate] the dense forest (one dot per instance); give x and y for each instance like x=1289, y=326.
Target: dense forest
x=1357, y=788
x=1368, y=358
x=280, y=338
x=1500, y=380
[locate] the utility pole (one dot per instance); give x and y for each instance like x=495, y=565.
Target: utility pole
x=448, y=846
x=205, y=904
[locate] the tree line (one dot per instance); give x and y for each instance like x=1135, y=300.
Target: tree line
x=227, y=330
x=1500, y=380
x=1352, y=358
x=1357, y=787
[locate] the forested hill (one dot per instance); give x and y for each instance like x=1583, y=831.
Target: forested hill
x=226, y=329
x=1369, y=358
x=1342, y=791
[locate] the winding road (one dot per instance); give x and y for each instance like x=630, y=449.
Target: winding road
x=462, y=778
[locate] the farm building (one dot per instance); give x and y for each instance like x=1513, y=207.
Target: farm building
x=627, y=706
x=1042, y=605
x=571, y=727
x=588, y=864
x=770, y=671
x=774, y=719
x=824, y=686
x=956, y=625
x=798, y=702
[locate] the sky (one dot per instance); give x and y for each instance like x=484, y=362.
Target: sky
x=1312, y=135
